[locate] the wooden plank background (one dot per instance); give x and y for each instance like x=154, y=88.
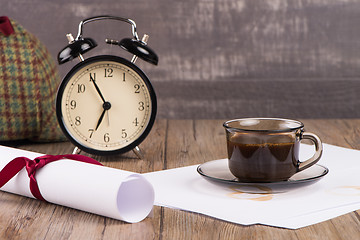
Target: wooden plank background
x=225, y=58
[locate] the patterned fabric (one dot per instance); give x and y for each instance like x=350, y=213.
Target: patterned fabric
x=28, y=83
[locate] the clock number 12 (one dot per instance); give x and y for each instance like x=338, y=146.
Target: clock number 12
x=108, y=72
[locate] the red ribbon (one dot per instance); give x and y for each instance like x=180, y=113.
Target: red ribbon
x=15, y=166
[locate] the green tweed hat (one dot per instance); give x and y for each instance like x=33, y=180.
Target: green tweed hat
x=28, y=84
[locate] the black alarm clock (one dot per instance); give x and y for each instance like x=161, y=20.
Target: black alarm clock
x=106, y=104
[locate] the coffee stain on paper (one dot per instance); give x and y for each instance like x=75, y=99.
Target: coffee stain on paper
x=251, y=192
x=345, y=191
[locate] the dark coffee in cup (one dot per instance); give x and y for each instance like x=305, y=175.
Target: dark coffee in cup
x=267, y=150
x=261, y=161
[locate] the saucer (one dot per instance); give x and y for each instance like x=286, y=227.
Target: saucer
x=218, y=171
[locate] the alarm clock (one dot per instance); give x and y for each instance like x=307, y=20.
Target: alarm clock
x=106, y=104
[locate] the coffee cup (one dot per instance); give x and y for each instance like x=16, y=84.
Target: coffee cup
x=267, y=149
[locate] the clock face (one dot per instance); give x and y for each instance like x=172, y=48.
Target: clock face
x=106, y=105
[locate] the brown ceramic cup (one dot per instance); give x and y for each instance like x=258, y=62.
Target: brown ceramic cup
x=267, y=149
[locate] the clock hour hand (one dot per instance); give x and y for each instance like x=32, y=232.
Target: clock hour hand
x=106, y=107
x=100, y=119
x=97, y=89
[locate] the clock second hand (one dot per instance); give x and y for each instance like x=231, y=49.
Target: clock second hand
x=108, y=118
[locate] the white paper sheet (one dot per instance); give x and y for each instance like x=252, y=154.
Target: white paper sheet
x=335, y=194
x=92, y=188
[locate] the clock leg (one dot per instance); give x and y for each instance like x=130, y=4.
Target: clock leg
x=76, y=150
x=138, y=152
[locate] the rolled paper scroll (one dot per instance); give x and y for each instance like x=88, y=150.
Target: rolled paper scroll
x=101, y=190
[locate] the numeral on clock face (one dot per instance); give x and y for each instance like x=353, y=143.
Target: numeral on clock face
x=81, y=88
x=108, y=72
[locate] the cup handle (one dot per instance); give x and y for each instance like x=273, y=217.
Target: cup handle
x=318, y=151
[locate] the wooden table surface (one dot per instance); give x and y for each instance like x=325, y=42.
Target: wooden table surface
x=171, y=144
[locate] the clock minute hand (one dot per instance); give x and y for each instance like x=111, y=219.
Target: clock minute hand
x=98, y=89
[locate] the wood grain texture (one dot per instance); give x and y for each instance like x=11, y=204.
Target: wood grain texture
x=171, y=143
x=271, y=50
